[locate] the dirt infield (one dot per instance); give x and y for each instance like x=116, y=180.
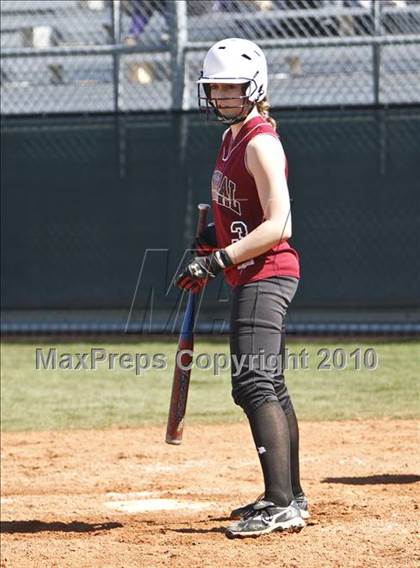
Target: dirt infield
x=66, y=498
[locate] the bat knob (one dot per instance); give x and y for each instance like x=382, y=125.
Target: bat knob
x=173, y=442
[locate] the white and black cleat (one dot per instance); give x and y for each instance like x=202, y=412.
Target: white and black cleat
x=243, y=511
x=265, y=518
x=302, y=503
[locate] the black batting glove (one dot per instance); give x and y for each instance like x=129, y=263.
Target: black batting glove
x=206, y=243
x=196, y=274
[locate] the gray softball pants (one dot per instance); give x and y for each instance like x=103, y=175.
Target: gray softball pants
x=257, y=339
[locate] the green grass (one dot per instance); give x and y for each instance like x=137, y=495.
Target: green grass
x=57, y=399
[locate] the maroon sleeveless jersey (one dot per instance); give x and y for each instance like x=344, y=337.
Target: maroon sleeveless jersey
x=237, y=210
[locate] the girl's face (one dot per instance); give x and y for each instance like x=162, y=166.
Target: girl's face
x=227, y=98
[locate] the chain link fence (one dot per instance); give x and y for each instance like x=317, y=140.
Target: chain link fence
x=72, y=56
x=88, y=199
x=72, y=248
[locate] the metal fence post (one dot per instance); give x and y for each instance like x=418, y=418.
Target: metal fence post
x=119, y=121
x=377, y=47
x=377, y=26
x=178, y=33
x=116, y=36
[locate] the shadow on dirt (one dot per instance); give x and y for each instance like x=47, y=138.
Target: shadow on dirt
x=199, y=531
x=397, y=479
x=35, y=526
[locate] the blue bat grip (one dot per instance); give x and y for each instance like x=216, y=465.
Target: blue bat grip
x=188, y=321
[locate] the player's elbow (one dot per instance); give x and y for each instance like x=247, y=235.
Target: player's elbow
x=286, y=234
x=281, y=230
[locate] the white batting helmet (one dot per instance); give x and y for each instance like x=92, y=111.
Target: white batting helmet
x=234, y=61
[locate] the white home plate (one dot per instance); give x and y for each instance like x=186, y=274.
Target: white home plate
x=143, y=505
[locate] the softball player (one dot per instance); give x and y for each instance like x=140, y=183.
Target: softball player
x=248, y=242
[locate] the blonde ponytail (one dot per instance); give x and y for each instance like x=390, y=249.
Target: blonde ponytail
x=263, y=107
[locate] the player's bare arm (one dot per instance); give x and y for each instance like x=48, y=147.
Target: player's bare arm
x=265, y=161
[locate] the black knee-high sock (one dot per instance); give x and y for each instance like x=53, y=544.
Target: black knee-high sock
x=270, y=431
x=294, y=452
x=284, y=399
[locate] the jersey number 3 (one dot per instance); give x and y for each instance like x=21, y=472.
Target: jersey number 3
x=240, y=230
